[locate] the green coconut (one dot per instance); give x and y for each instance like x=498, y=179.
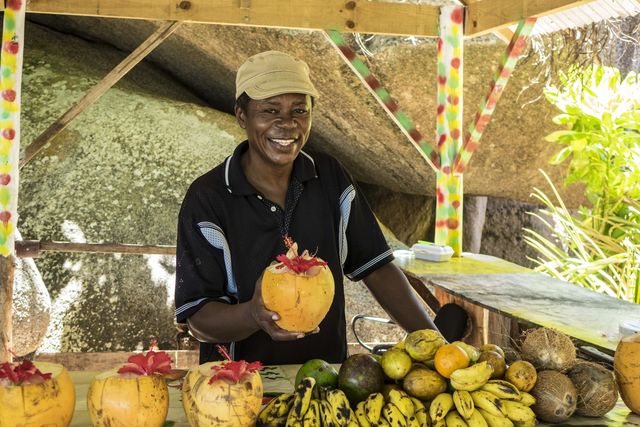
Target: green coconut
x=548, y=349
x=596, y=387
x=556, y=397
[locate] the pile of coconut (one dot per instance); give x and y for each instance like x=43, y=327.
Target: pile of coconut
x=565, y=384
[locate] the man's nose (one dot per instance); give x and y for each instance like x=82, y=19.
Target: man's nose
x=286, y=120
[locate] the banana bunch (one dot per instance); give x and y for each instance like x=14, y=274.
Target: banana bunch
x=495, y=403
x=301, y=409
x=399, y=410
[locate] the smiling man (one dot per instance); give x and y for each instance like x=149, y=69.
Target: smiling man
x=233, y=220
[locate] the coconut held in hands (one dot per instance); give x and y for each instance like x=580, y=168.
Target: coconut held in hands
x=299, y=288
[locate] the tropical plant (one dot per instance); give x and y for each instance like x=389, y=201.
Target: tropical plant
x=599, y=245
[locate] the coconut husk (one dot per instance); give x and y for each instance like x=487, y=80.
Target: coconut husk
x=596, y=387
x=548, y=349
x=556, y=397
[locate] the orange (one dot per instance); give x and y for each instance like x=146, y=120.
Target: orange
x=449, y=358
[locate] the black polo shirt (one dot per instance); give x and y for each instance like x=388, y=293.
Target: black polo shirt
x=228, y=233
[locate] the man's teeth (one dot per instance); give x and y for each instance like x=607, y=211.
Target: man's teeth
x=283, y=142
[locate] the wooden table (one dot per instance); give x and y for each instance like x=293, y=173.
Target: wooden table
x=619, y=416
x=506, y=289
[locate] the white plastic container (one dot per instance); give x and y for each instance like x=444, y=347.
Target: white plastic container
x=629, y=327
x=432, y=252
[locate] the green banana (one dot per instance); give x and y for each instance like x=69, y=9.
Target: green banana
x=463, y=403
x=440, y=406
x=340, y=408
x=516, y=411
x=527, y=399
x=373, y=407
x=471, y=378
x=476, y=420
x=278, y=407
x=361, y=415
x=393, y=415
x=502, y=389
x=454, y=419
x=489, y=402
x=494, y=421
x=403, y=402
x=301, y=400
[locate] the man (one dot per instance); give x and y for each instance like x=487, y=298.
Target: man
x=233, y=219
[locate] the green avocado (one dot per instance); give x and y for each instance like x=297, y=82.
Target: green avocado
x=359, y=376
x=324, y=374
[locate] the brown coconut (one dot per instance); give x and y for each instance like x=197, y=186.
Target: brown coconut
x=548, y=349
x=556, y=397
x=596, y=386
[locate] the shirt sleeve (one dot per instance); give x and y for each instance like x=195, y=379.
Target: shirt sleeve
x=200, y=265
x=366, y=248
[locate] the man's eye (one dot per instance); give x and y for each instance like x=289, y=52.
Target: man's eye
x=271, y=111
x=301, y=111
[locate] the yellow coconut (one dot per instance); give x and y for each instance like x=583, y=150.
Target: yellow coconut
x=128, y=400
x=50, y=403
x=300, y=289
x=626, y=365
x=222, y=403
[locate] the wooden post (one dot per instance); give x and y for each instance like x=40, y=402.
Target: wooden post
x=7, y=269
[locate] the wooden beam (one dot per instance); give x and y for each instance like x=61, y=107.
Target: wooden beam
x=7, y=269
x=346, y=16
x=32, y=248
x=164, y=31
x=489, y=15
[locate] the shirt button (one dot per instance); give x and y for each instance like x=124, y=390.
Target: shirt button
x=273, y=208
x=259, y=197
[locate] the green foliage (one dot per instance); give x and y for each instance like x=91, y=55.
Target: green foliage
x=599, y=246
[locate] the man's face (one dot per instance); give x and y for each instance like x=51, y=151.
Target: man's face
x=278, y=127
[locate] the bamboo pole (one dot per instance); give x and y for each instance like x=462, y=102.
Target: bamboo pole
x=7, y=270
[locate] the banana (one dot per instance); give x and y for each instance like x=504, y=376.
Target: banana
x=440, y=405
x=353, y=421
x=373, y=407
x=412, y=421
x=312, y=418
x=489, y=402
x=417, y=403
x=422, y=416
x=393, y=415
x=440, y=423
x=471, y=378
x=361, y=415
x=293, y=422
x=476, y=420
x=276, y=408
x=340, y=408
x=502, y=389
x=530, y=423
x=383, y=423
x=493, y=421
x=302, y=398
x=463, y=403
x=273, y=422
x=527, y=399
x=403, y=402
x=326, y=413
x=516, y=411
x=454, y=419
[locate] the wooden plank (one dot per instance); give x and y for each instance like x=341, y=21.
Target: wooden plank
x=7, y=269
x=489, y=15
x=164, y=31
x=32, y=248
x=346, y=16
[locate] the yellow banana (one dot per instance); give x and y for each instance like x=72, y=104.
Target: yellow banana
x=403, y=402
x=274, y=422
x=454, y=419
x=417, y=403
x=476, y=420
x=489, y=402
x=463, y=403
x=301, y=399
x=393, y=415
x=373, y=407
x=494, y=421
x=516, y=411
x=422, y=416
x=361, y=415
x=353, y=421
x=502, y=389
x=440, y=405
x=530, y=423
x=278, y=407
x=471, y=378
x=440, y=423
x=340, y=408
x=412, y=421
x=312, y=418
x=527, y=399
x=293, y=422
x=326, y=412
x=383, y=423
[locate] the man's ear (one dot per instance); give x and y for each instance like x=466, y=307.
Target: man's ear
x=241, y=117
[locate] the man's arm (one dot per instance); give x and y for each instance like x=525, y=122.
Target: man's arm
x=393, y=292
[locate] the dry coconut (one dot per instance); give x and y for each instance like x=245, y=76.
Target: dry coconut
x=556, y=397
x=548, y=349
x=596, y=386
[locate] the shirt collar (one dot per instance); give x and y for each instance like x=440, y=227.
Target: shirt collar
x=304, y=169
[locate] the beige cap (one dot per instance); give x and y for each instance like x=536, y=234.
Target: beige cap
x=273, y=73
